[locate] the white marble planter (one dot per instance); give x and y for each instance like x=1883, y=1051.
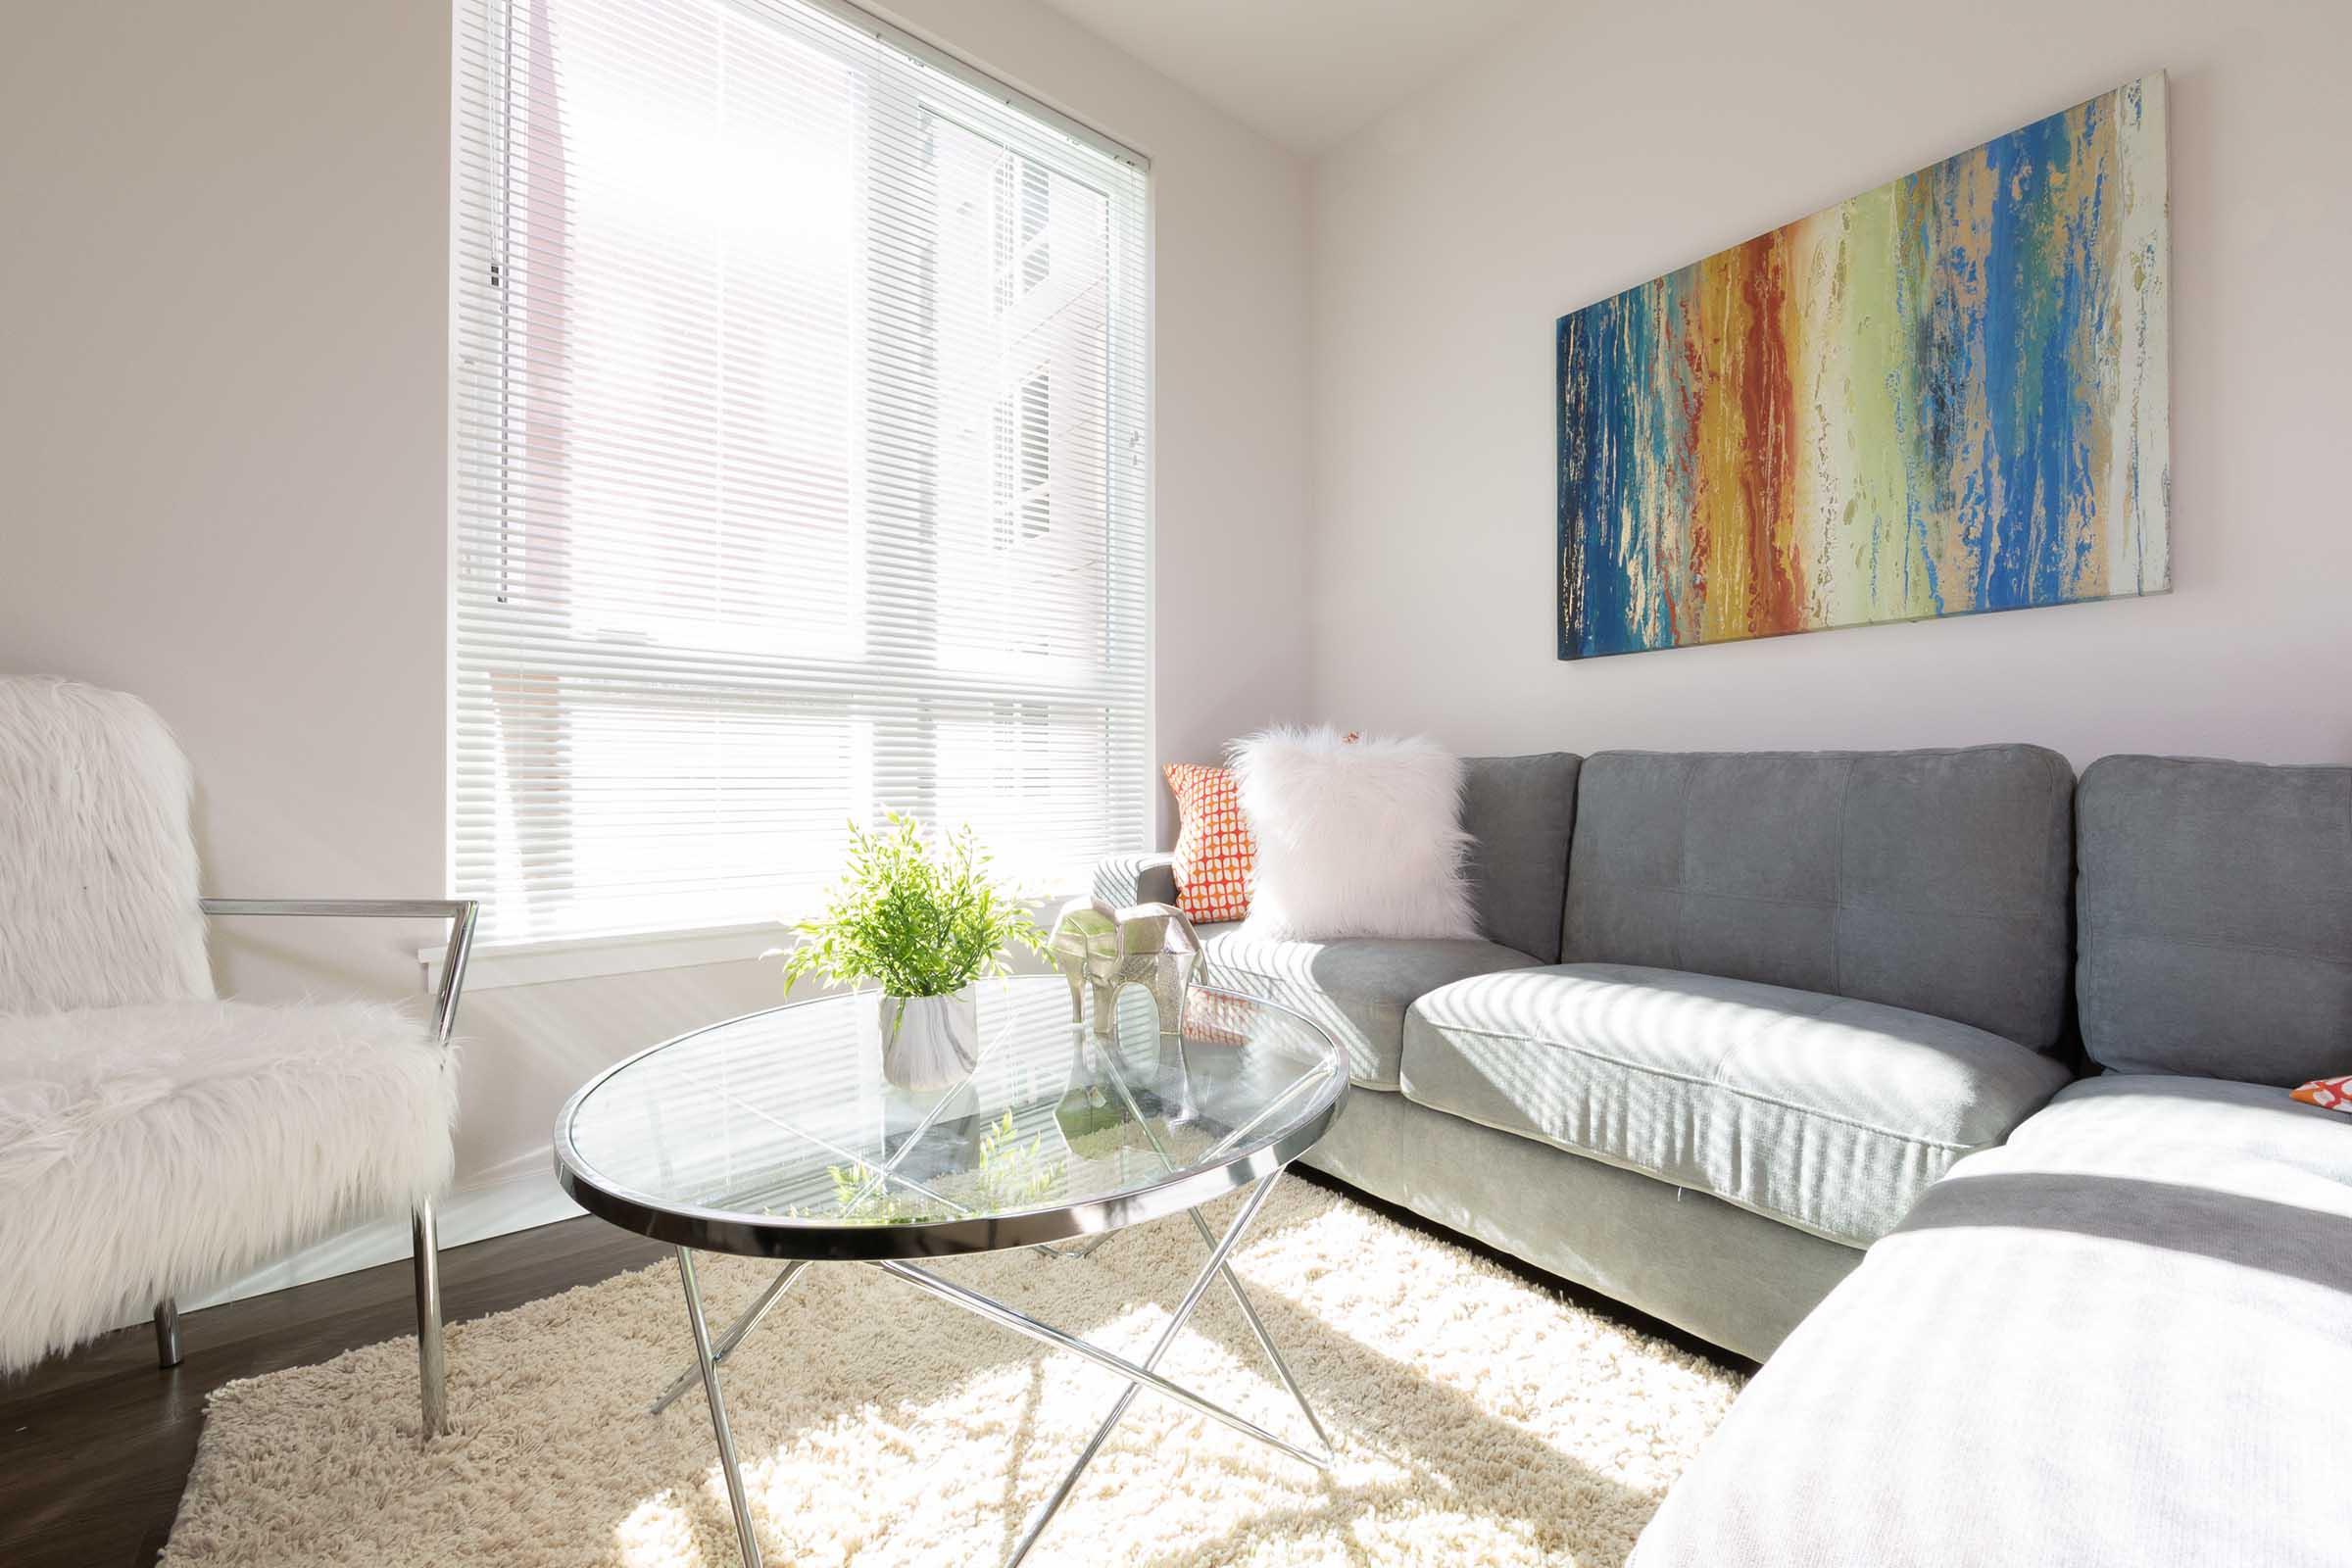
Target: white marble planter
x=930, y=1042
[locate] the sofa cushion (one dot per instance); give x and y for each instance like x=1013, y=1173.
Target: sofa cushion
x=1519, y=812
x=1823, y=1112
x=1357, y=987
x=1933, y=880
x=2216, y=908
x=1357, y=836
x=1215, y=857
x=2123, y=1325
x=2329, y=1094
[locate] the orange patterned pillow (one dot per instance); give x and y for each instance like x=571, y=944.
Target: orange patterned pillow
x=2329, y=1094
x=1216, y=859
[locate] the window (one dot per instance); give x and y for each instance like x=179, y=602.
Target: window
x=801, y=464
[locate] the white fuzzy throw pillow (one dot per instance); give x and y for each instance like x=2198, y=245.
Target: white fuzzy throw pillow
x=1354, y=839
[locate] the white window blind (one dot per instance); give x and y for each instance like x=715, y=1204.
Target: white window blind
x=800, y=466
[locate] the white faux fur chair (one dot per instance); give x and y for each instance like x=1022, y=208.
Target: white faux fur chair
x=155, y=1140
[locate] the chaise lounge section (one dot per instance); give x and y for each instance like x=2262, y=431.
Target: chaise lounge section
x=2129, y=1323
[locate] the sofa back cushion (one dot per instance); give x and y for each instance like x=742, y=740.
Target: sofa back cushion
x=2216, y=918
x=1933, y=880
x=1519, y=811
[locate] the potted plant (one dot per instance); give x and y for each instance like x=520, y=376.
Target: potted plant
x=922, y=925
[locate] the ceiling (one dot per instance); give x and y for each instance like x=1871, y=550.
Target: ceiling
x=1304, y=73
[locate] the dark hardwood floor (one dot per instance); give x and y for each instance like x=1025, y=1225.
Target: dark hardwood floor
x=96, y=1448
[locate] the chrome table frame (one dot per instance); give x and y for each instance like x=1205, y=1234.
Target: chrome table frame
x=890, y=1248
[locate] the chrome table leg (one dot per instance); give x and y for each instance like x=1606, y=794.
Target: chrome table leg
x=876, y=1179
x=737, y=1332
x=1139, y=1376
x=1086, y=1248
x=1265, y=1340
x=1233, y=1281
x=708, y=1364
x=1019, y=1322
x=167, y=1332
x=1151, y=1362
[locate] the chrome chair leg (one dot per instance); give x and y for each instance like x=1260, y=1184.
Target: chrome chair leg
x=166, y=1333
x=432, y=1370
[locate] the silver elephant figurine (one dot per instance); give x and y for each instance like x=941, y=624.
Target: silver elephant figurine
x=1101, y=948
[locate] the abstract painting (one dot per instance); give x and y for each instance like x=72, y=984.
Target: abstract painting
x=1946, y=396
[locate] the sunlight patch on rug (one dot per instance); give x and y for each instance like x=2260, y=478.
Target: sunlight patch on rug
x=1478, y=1420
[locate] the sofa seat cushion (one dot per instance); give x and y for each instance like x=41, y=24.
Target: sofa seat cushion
x=1825, y=1113
x=1357, y=988
x=2125, y=1326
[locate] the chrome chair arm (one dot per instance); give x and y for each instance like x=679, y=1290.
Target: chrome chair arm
x=432, y=1371
x=461, y=913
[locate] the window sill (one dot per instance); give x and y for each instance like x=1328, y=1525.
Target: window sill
x=497, y=965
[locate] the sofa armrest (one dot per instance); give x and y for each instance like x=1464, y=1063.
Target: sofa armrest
x=1144, y=878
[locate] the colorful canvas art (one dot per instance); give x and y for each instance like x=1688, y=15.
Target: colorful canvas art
x=1946, y=396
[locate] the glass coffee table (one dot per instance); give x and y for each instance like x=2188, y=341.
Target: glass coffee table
x=779, y=1135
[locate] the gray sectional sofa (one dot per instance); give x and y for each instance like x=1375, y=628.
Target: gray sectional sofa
x=1736, y=1012
x=1994, y=1063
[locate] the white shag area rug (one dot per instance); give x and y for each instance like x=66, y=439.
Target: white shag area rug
x=1478, y=1420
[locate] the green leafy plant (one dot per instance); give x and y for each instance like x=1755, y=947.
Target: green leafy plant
x=915, y=921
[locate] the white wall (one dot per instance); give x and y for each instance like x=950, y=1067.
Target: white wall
x=223, y=454
x=222, y=443
x=1597, y=146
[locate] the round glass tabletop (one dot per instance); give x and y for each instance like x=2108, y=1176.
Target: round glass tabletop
x=780, y=1134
